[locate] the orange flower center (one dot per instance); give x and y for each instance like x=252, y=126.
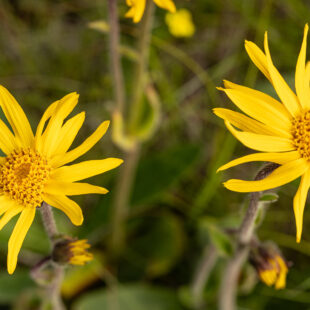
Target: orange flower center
x=301, y=134
x=23, y=176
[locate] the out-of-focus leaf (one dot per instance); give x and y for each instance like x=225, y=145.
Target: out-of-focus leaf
x=160, y=171
x=167, y=234
x=99, y=25
x=12, y=286
x=77, y=278
x=129, y=297
x=220, y=240
x=269, y=197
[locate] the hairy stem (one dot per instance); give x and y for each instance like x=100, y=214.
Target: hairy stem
x=53, y=290
x=202, y=273
x=116, y=68
x=229, y=285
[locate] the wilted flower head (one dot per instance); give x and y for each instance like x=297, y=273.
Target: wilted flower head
x=270, y=265
x=73, y=252
x=137, y=8
x=280, y=130
x=180, y=23
x=35, y=167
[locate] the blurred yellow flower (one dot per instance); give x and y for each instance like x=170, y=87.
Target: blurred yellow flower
x=180, y=24
x=70, y=251
x=137, y=8
x=280, y=130
x=34, y=168
x=274, y=272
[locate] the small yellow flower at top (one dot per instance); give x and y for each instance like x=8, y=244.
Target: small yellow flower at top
x=274, y=273
x=180, y=23
x=137, y=8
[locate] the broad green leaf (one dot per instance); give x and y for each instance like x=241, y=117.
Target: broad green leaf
x=160, y=170
x=220, y=240
x=129, y=297
x=161, y=245
x=12, y=286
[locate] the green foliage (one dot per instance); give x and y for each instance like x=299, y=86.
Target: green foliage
x=130, y=297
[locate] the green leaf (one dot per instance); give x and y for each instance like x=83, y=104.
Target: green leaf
x=269, y=197
x=11, y=286
x=166, y=232
x=220, y=240
x=161, y=170
x=129, y=297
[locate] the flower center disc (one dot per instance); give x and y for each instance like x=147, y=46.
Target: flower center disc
x=23, y=176
x=301, y=134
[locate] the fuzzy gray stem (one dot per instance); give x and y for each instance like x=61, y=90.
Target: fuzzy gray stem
x=51, y=229
x=202, y=273
x=229, y=285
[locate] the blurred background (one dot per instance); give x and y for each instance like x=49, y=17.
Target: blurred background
x=178, y=208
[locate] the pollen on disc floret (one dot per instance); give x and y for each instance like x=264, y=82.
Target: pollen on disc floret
x=23, y=176
x=301, y=134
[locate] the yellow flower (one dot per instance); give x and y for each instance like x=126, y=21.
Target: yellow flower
x=35, y=166
x=180, y=23
x=279, y=130
x=274, y=273
x=137, y=8
x=70, y=251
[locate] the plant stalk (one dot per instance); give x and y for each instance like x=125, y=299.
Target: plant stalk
x=229, y=285
x=53, y=290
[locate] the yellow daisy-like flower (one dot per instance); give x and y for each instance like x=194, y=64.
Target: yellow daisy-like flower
x=274, y=273
x=180, y=23
x=279, y=130
x=35, y=166
x=137, y=8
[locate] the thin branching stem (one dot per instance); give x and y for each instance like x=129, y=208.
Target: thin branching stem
x=128, y=172
x=229, y=284
x=116, y=67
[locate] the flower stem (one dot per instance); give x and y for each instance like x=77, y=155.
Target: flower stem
x=202, y=273
x=229, y=285
x=53, y=290
x=116, y=68
x=128, y=172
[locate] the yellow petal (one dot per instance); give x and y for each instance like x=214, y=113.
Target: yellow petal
x=259, y=109
x=16, y=117
x=137, y=10
x=282, y=175
x=52, y=132
x=8, y=142
x=6, y=204
x=19, y=233
x=9, y=214
x=85, y=169
x=278, y=158
x=261, y=143
x=70, y=189
x=301, y=83
x=166, y=4
x=262, y=96
x=47, y=114
x=284, y=92
x=248, y=124
x=299, y=203
x=68, y=133
x=61, y=160
x=258, y=58
x=66, y=205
